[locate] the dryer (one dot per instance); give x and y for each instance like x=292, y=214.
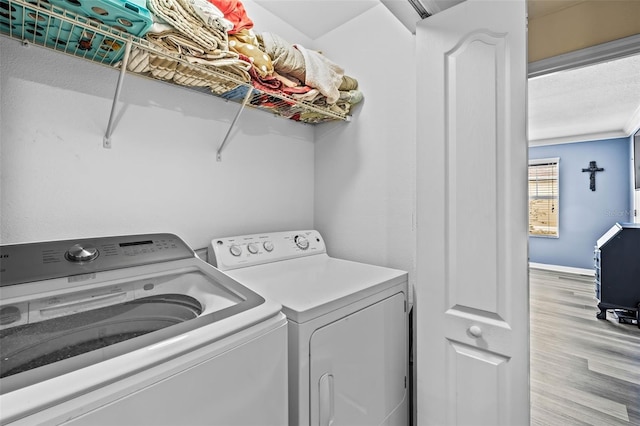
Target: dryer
x=135, y=330
x=348, y=326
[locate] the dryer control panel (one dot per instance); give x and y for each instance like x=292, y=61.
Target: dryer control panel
x=251, y=250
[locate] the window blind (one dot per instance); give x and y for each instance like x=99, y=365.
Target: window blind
x=544, y=197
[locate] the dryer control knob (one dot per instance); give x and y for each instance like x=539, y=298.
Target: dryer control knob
x=252, y=247
x=80, y=253
x=301, y=241
x=268, y=245
x=235, y=250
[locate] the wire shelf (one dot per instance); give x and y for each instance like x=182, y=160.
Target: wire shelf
x=105, y=41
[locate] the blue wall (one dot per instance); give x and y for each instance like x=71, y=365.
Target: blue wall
x=584, y=214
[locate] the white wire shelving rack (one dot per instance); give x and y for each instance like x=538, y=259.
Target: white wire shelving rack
x=38, y=22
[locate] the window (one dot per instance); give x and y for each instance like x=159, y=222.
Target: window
x=544, y=197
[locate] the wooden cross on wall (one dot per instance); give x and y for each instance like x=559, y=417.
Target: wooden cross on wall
x=592, y=176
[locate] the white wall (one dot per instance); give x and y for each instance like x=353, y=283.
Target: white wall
x=365, y=171
x=161, y=174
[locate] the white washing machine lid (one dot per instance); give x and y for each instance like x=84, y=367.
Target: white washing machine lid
x=312, y=286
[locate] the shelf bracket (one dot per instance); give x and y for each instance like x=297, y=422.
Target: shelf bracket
x=233, y=123
x=106, y=141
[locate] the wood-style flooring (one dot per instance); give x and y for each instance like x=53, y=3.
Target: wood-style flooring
x=584, y=371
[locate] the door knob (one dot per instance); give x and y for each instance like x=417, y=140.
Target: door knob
x=475, y=331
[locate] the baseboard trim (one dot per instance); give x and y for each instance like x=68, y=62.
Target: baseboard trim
x=564, y=269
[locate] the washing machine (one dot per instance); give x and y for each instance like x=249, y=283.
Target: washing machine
x=135, y=330
x=348, y=326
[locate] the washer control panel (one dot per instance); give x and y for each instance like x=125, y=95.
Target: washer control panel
x=22, y=263
x=250, y=250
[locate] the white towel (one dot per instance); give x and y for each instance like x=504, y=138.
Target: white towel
x=321, y=73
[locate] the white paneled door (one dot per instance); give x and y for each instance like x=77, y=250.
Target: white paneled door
x=472, y=306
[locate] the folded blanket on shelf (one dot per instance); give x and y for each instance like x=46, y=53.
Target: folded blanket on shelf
x=192, y=44
x=309, y=96
x=322, y=73
x=286, y=59
x=188, y=51
x=218, y=59
x=177, y=42
x=272, y=84
x=180, y=15
x=292, y=60
x=158, y=64
x=210, y=15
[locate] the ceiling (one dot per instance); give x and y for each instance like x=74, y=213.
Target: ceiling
x=595, y=102
x=314, y=18
x=537, y=8
x=599, y=101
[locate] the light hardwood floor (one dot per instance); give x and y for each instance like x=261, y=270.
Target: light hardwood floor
x=584, y=371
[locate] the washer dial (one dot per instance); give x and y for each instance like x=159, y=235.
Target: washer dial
x=9, y=315
x=81, y=253
x=253, y=248
x=268, y=246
